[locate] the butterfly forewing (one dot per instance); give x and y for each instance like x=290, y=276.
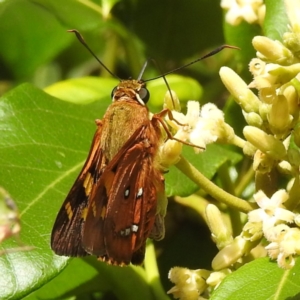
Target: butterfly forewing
x=66, y=233
x=128, y=217
x=102, y=192
x=132, y=217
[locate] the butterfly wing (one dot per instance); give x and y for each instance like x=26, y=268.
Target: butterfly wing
x=66, y=238
x=130, y=218
x=119, y=220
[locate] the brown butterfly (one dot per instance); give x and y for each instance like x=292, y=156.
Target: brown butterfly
x=112, y=208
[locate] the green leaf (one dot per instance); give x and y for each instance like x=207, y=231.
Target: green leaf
x=276, y=21
x=88, y=89
x=82, y=15
x=28, y=42
x=87, y=276
x=77, y=274
x=44, y=142
x=261, y=279
x=82, y=90
x=186, y=89
x=241, y=36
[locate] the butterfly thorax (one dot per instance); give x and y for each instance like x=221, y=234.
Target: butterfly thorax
x=125, y=115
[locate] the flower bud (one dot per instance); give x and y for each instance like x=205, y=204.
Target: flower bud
x=170, y=151
x=264, y=111
x=231, y=253
x=219, y=230
x=252, y=231
x=284, y=74
x=297, y=220
x=272, y=50
x=293, y=12
x=239, y=90
x=265, y=142
x=291, y=95
x=249, y=149
x=279, y=117
x=253, y=119
x=292, y=40
x=171, y=101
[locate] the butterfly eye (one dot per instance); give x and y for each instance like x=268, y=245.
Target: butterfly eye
x=113, y=92
x=144, y=94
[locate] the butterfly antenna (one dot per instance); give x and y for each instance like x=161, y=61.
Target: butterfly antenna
x=82, y=41
x=217, y=50
x=165, y=80
x=143, y=70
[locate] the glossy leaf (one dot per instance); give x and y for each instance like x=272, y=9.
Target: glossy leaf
x=88, y=276
x=83, y=90
x=276, y=21
x=261, y=279
x=44, y=142
x=186, y=89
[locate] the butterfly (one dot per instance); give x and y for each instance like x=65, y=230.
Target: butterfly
x=112, y=208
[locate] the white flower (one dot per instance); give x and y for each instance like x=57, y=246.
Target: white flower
x=249, y=10
x=211, y=127
x=184, y=124
x=271, y=210
x=189, y=284
x=201, y=127
x=285, y=246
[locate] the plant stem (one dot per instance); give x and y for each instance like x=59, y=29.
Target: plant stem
x=153, y=273
x=189, y=170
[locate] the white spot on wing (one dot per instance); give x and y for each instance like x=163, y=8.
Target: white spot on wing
x=134, y=228
x=126, y=194
x=139, y=193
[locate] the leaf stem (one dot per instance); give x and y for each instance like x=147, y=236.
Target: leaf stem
x=228, y=186
x=245, y=179
x=189, y=170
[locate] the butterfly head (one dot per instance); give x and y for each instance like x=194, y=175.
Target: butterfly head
x=131, y=90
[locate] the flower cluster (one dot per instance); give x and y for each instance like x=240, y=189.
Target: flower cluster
x=273, y=118
x=272, y=138
x=273, y=222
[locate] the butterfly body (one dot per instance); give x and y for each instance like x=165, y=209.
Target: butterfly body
x=112, y=207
